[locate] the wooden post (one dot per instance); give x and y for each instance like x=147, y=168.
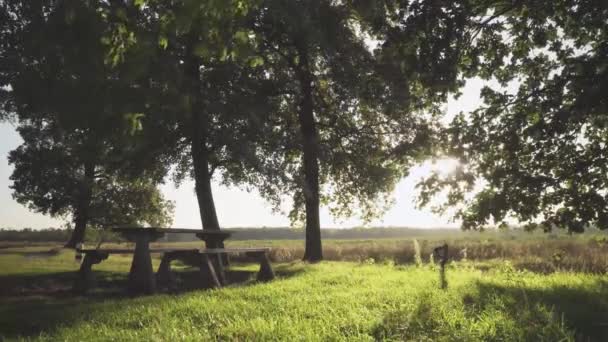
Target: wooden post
x=141, y=276
x=442, y=253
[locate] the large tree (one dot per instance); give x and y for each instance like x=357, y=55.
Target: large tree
x=537, y=145
x=73, y=109
x=208, y=87
x=355, y=117
x=57, y=174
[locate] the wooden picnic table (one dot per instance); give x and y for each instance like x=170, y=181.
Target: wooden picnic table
x=141, y=275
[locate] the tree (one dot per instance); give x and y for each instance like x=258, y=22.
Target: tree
x=210, y=88
x=538, y=142
x=54, y=174
x=76, y=113
x=354, y=117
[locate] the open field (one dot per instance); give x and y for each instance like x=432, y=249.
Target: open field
x=544, y=253
x=373, y=299
x=533, y=251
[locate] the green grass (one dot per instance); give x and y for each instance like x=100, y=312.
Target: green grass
x=327, y=301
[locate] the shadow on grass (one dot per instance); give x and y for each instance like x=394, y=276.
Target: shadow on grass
x=34, y=254
x=503, y=312
x=189, y=279
x=36, y=304
x=584, y=310
x=33, y=304
x=56, y=284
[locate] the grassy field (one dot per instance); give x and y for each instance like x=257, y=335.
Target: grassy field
x=372, y=299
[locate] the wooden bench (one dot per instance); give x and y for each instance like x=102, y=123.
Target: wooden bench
x=211, y=265
x=208, y=260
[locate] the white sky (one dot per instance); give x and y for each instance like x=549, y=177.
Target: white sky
x=237, y=208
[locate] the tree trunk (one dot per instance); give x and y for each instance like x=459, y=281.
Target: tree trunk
x=81, y=214
x=313, y=250
x=199, y=150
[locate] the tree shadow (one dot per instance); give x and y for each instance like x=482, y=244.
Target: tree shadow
x=35, y=315
x=584, y=309
x=490, y=311
x=58, y=284
x=188, y=279
x=32, y=304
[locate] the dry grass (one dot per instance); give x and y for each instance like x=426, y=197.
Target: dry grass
x=540, y=253
x=546, y=256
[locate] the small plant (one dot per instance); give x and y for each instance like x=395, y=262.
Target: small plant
x=463, y=252
x=417, y=254
x=558, y=258
x=369, y=261
x=388, y=262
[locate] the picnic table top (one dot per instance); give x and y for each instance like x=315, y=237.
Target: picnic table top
x=171, y=230
x=183, y=249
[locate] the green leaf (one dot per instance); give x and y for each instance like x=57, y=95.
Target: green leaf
x=134, y=122
x=256, y=61
x=201, y=50
x=241, y=36
x=163, y=42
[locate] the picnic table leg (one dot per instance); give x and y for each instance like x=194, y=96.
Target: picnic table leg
x=266, y=273
x=141, y=276
x=207, y=271
x=85, y=278
x=164, y=276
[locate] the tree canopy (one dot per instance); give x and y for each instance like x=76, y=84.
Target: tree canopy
x=537, y=145
x=80, y=155
x=327, y=102
x=207, y=90
x=360, y=85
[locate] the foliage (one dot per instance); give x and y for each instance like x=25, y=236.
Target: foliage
x=537, y=144
x=371, y=104
x=205, y=86
x=48, y=178
x=77, y=117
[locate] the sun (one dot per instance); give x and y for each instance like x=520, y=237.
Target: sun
x=445, y=166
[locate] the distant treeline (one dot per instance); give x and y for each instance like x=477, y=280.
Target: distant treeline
x=51, y=235
x=282, y=233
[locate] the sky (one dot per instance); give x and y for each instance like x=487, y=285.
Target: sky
x=238, y=208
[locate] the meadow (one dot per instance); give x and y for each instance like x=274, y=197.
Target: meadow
x=374, y=289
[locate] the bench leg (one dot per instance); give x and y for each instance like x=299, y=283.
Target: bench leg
x=207, y=271
x=164, y=276
x=85, y=279
x=266, y=273
x=220, y=270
